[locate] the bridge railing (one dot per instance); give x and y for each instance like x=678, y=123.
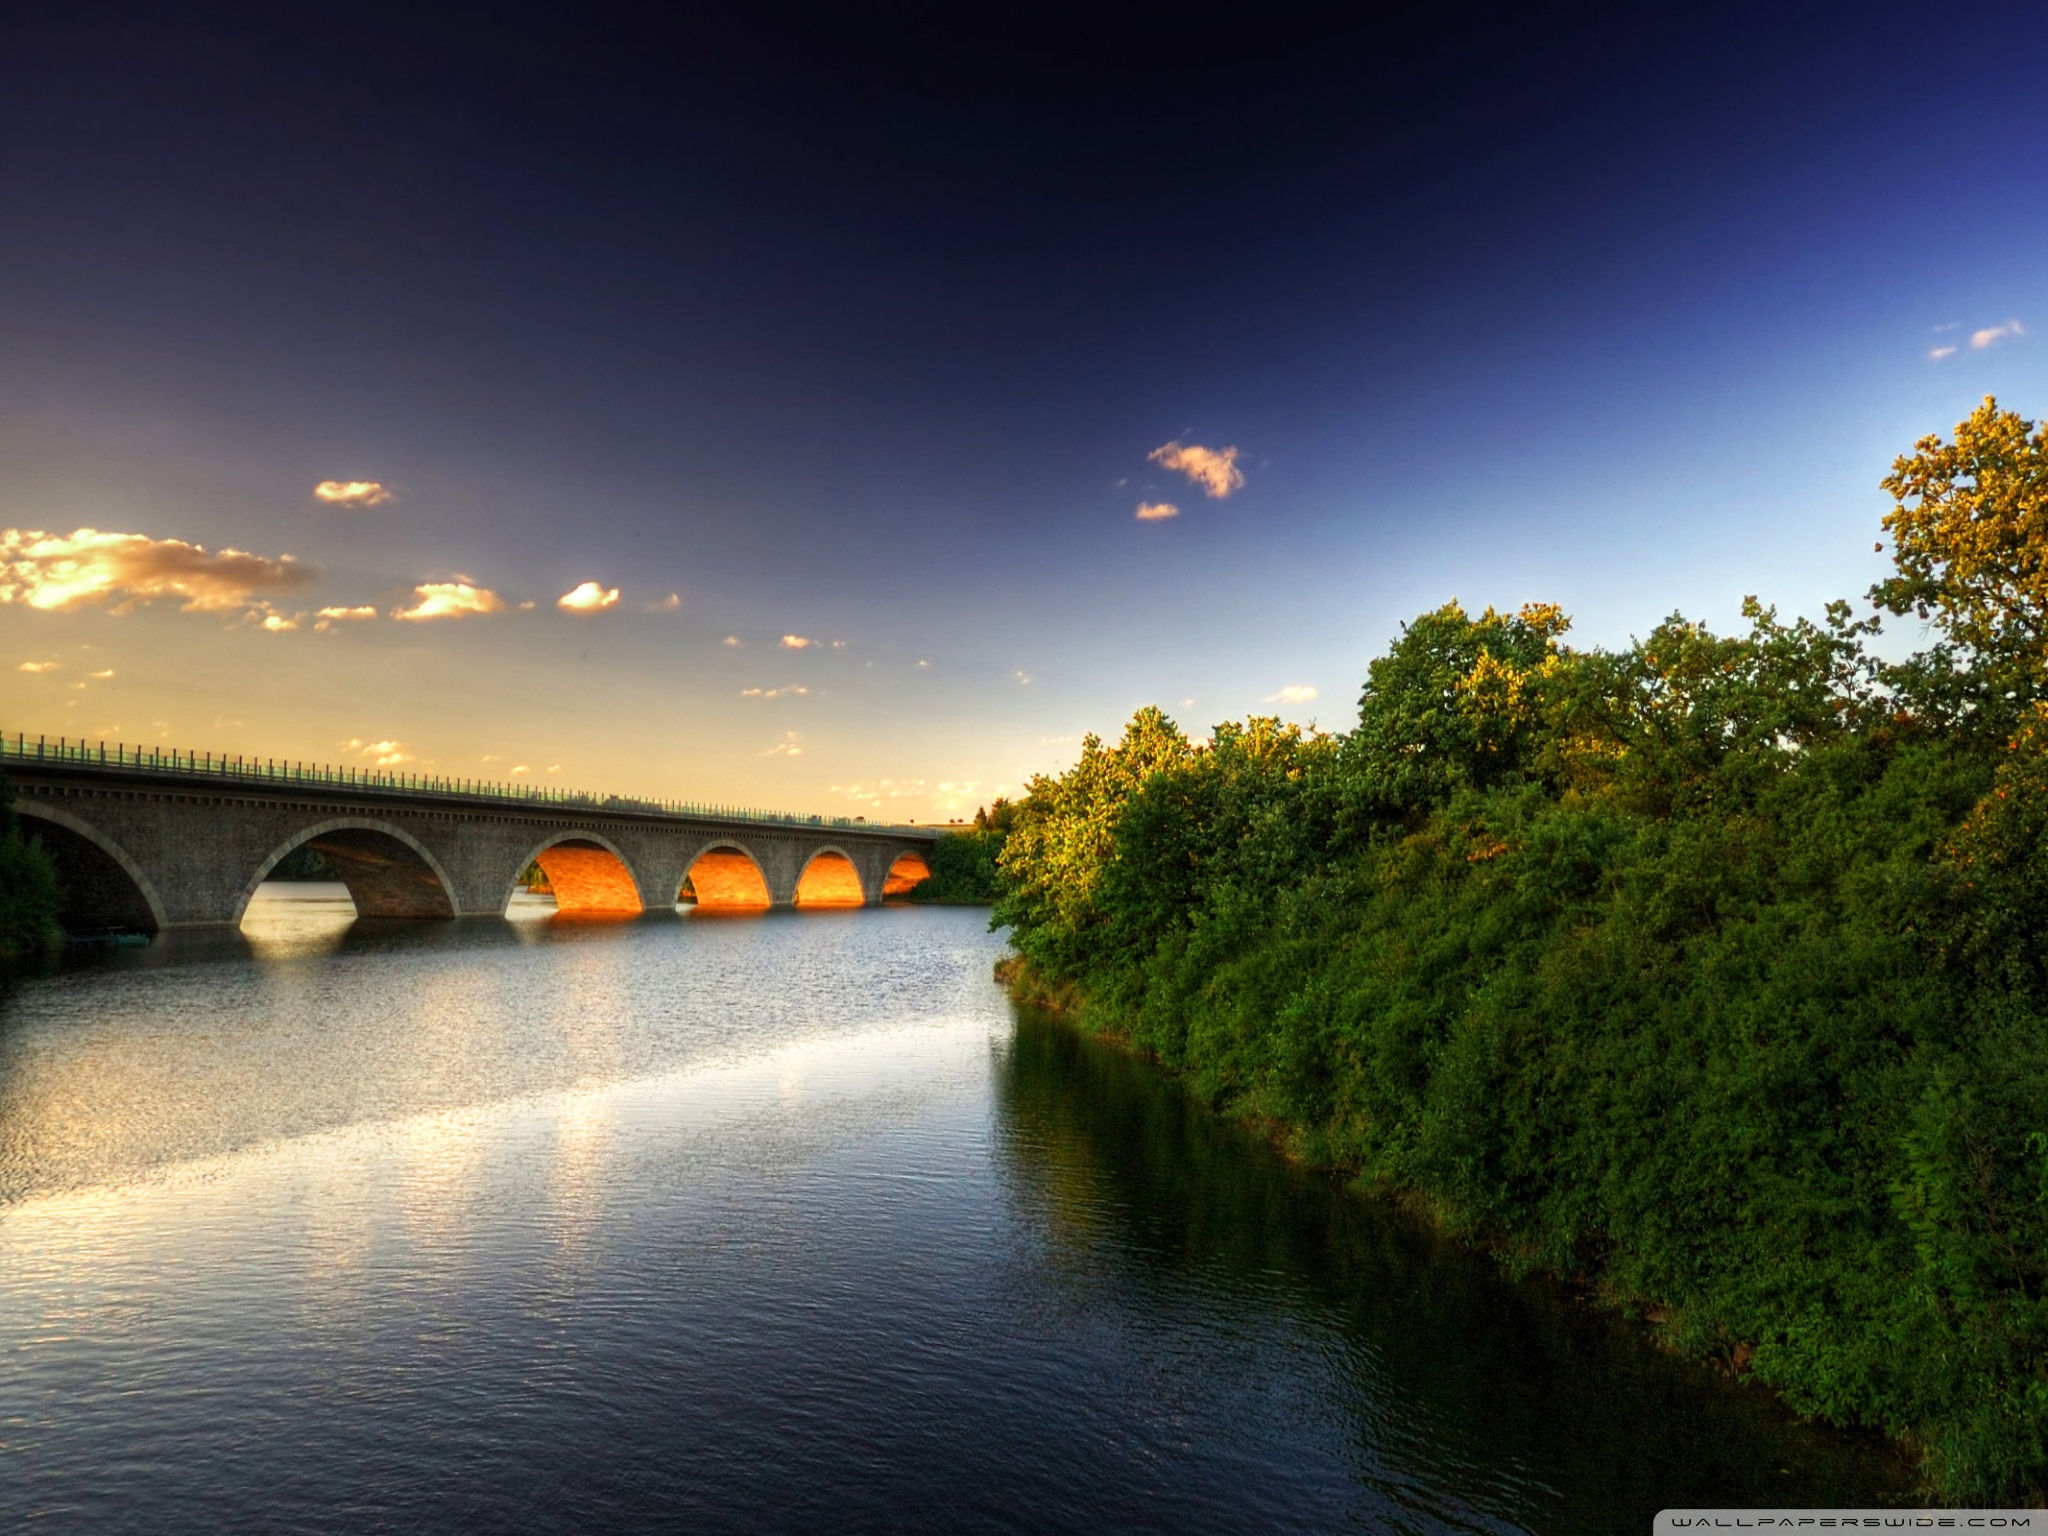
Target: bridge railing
x=216, y=766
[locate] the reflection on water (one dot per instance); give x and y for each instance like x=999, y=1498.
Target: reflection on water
x=780, y=1222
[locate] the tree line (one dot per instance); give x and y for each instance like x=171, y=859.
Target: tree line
x=1711, y=972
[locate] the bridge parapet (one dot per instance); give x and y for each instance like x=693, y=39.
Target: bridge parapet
x=149, y=838
x=222, y=768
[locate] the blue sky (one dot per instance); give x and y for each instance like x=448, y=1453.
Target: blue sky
x=863, y=333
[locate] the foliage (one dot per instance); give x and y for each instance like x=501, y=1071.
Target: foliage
x=1710, y=971
x=1969, y=527
x=963, y=864
x=29, y=899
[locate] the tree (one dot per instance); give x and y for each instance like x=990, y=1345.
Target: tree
x=1969, y=529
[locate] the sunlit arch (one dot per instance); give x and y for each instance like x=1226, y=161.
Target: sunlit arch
x=90, y=868
x=727, y=875
x=830, y=879
x=388, y=871
x=588, y=874
x=905, y=874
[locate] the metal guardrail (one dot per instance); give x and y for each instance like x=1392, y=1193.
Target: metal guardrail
x=220, y=767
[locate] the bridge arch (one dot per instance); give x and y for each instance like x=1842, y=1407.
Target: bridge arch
x=388, y=871
x=588, y=874
x=830, y=878
x=724, y=874
x=906, y=871
x=101, y=888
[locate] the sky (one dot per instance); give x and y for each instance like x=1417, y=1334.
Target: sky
x=847, y=410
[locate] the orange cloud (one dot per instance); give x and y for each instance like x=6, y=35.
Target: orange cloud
x=588, y=598
x=327, y=618
x=450, y=600
x=382, y=754
x=352, y=493
x=1213, y=469
x=37, y=666
x=54, y=571
x=1156, y=511
x=796, y=642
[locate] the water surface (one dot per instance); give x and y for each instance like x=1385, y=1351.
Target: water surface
x=776, y=1223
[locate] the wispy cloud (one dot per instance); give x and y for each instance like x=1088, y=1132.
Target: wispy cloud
x=380, y=754
x=1213, y=469
x=791, y=690
x=887, y=789
x=1156, y=511
x=588, y=597
x=54, y=571
x=1293, y=693
x=787, y=747
x=450, y=600
x=732, y=641
x=673, y=603
x=37, y=666
x=327, y=618
x=797, y=642
x=1022, y=679
x=352, y=493
x=1991, y=335
x=1938, y=353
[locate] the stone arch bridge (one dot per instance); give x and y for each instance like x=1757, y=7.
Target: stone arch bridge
x=148, y=840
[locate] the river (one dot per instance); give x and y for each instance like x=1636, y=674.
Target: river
x=781, y=1223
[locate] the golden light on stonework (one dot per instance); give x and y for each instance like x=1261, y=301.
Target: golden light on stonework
x=904, y=875
x=725, y=877
x=830, y=880
x=588, y=880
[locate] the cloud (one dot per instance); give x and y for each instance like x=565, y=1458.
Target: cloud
x=102, y=676
x=589, y=597
x=888, y=789
x=1022, y=679
x=1992, y=334
x=37, y=666
x=671, y=604
x=732, y=640
x=1938, y=353
x=327, y=618
x=1213, y=469
x=1156, y=511
x=787, y=747
x=53, y=571
x=1293, y=693
x=450, y=600
x=521, y=768
x=838, y=645
x=796, y=689
x=382, y=754
x=797, y=642
x=352, y=493
x=273, y=621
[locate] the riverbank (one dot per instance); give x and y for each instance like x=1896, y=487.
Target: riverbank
x=1706, y=973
